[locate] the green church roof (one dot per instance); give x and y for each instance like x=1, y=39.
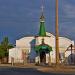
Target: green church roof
x=41, y=47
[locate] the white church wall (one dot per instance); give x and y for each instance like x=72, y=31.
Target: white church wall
x=27, y=44
x=24, y=42
x=47, y=40
x=16, y=54
x=64, y=43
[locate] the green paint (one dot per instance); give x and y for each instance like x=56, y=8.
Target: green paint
x=45, y=48
x=42, y=31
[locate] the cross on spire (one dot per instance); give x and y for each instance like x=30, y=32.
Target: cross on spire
x=42, y=7
x=42, y=12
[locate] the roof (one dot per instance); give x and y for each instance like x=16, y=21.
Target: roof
x=43, y=47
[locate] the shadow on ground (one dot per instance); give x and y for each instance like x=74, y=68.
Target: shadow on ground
x=25, y=71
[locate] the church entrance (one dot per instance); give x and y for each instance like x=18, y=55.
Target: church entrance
x=43, y=51
x=42, y=57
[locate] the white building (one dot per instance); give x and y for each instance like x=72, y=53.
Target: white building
x=25, y=47
x=41, y=48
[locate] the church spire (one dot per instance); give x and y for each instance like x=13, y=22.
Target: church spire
x=42, y=12
x=42, y=31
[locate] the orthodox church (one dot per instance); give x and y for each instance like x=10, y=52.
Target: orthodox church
x=41, y=48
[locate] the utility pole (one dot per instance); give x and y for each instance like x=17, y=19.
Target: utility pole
x=56, y=33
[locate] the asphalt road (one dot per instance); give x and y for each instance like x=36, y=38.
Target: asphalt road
x=25, y=71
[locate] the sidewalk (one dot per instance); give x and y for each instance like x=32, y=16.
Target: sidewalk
x=59, y=69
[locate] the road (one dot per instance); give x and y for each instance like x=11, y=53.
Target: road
x=25, y=71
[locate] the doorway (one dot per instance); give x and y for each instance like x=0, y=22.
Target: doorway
x=42, y=57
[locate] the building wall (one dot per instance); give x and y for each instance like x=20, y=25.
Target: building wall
x=64, y=43
x=27, y=44
x=16, y=54
x=24, y=42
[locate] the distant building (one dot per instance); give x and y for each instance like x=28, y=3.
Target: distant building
x=41, y=48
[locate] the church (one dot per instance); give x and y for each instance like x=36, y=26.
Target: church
x=41, y=48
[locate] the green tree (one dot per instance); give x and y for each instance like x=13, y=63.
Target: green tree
x=4, y=48
x=2, y=52
x=5, y=44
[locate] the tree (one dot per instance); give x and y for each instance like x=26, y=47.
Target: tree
x=4, y=47
x=2, y=52
x=5, y=43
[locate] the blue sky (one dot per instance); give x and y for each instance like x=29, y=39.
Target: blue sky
x=20, y=18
